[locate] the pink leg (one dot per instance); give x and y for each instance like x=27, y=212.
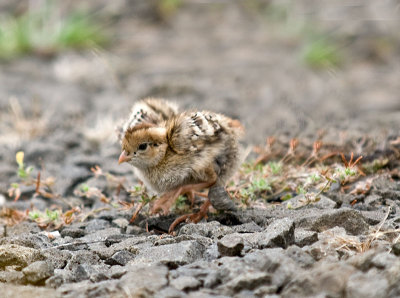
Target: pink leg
x=194, y=217
x=167, y=200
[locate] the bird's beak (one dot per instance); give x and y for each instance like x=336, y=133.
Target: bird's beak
x=123, y=157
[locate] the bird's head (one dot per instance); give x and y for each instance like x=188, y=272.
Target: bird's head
x=144, y=146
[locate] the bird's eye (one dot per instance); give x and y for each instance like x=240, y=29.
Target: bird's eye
x=142, y=146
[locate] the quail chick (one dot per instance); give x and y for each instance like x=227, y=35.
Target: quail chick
x=183, y=153
x=149, y=110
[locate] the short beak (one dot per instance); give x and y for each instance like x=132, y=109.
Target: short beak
x=123, y=157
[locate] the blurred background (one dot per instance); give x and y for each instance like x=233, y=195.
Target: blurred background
x=70, y=70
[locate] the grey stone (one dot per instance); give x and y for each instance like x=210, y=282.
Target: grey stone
x=121, y=222
x=38, y=272
x=100, y=235
x=121, y=258
x=12, y=254
x=80, y=263
x=12, y=276
x=58, y=278
x=12, y=291
x=326, y=278
x=298, y=255
x=37, y=241
x=303, y=237
x=211, y=229
x=86, y=288
x=73, y=232
x=170, y=292
x=97, y=225
x=213, y=279
x=211, y=252
x=134, y=230
x=274, y=261
x=248, y=281
x=70, y=176
x=368, y=285
x=374, y=217
x=384, y=260
x=23, y=228
x=396, y=249
x=230, y=245
x=329, y=241
x=170, y=240
x=323, y=202
x=373, y=200
x=266, y=291
x=100, y=249
x=363, y=261
x=249, y=227
x=58, y=258
x=319, y=221
x=94, y=273
x=173, y=255
x=185, y=283
x=280, y=233
x=144, y=280
x=117, y=271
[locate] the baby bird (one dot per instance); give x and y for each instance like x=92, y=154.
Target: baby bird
x=149, y=110
x=176, y=153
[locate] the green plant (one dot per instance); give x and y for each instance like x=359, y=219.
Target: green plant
x=276, y=167
x=43, y=31
x=48, y=217
x=43, y=186
x=166, y=8
x=321, y=53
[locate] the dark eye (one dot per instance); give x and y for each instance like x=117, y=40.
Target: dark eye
x=142, y=146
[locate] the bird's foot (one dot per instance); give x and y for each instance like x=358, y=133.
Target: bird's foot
x=165, y=202
x=194, y=217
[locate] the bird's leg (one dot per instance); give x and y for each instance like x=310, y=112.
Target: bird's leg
x=165, y=202
x=192, y=194
x=194, y=217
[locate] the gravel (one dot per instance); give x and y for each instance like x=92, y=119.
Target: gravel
x=247, y=69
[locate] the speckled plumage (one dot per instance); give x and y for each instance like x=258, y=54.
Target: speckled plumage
x=172, y=150
x=149, y=110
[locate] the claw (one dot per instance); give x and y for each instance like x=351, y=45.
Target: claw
x=194, y=217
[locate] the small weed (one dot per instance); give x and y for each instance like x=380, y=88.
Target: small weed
x=276, y=167
x=46, y=218
x=43, y=31
x=43, y=187
x=181, y=204
x=321, y=53
x=167, y=8
x=300, y=190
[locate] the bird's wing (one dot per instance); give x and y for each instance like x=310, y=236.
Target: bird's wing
x=191, y=131
x=148, y=111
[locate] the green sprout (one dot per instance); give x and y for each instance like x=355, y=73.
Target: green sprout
x=276, y=167
x=38, y=31
x=45, y=218
x=167, y=8
x=321, y=53
x=84, y=187
x=300, y=190
x=23, y=172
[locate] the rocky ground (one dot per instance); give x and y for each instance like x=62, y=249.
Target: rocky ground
x=243, y=59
